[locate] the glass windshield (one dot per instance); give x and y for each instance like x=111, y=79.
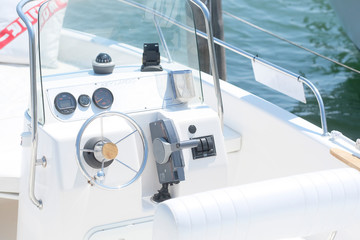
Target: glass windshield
x=73, y=32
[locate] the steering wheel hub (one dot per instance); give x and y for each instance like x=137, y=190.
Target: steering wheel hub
x=110, y=151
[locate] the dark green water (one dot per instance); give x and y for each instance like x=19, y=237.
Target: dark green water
x=314, y=25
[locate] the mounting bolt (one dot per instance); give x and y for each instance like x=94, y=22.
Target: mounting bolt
x=42, y=162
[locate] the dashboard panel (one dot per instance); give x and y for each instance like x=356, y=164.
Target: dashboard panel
x=126, y=92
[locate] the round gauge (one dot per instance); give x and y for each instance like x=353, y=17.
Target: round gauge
x=84, y=100
x=103, y=98
x=65, y=103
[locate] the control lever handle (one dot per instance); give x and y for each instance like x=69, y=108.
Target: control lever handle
x=163, y=149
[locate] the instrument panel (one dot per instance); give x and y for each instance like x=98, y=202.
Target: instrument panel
x=78, y=96
x=65, y=103
x=82, y=96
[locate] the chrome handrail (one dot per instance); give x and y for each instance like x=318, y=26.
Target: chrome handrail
x=212, y=40
x=320, y=103
x=289, y=42
x=33, y=107
x=211, y=47
x=284, y=71
x=212, y=57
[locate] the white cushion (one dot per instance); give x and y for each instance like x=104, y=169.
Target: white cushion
x=289, y=207
x=16, y=51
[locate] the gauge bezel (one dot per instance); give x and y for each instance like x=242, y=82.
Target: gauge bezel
x=97, y=102
x=65, y=110
x=84, y=105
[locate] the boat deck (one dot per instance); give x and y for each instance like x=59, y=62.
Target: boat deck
x=14, y=93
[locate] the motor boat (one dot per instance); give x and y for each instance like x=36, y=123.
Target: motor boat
x=123, y=137
x=347, y=11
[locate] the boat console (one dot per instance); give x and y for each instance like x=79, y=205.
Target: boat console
x=116, y=126
x=117, y=144
x=121, y=128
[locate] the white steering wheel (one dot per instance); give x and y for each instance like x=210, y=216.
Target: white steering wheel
x=99, y=158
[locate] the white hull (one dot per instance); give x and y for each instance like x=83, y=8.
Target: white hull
x=284, y=159
x=279, y=145
x=348, y=13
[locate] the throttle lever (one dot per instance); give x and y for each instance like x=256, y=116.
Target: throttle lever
x=163, y=149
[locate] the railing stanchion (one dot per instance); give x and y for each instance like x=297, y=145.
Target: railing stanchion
x=212, y=56
x=33, y=107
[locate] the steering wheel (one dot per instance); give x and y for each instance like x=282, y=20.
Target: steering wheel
x=99, y=158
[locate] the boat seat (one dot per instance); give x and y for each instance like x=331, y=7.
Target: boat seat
x=14, y=93
x=294, y=206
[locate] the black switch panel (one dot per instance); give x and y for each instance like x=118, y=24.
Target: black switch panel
x=206, y=148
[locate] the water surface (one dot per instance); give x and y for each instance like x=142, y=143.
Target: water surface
x=314, y=25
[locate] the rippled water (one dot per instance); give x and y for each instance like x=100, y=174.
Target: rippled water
x=314, y=25
x=310, y=23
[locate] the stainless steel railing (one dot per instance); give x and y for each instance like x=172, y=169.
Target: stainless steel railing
x=282, y=70
x=212, y=56
x=34, y=101
x=212, y=40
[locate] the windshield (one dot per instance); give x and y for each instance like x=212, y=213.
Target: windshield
x=73, y=32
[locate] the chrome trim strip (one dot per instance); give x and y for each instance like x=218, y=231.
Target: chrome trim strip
x=33, y=107
x=113, y=226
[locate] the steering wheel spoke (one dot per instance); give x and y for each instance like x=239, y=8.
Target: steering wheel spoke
x=124, y=164
x=126, y=136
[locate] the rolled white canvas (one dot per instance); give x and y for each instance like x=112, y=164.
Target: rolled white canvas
x=288, y=207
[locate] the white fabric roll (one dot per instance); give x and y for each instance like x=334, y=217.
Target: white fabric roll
x=281, y=208
x=17, y=50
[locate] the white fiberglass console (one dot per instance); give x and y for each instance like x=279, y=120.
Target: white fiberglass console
x=114, y=141
x=103, y=166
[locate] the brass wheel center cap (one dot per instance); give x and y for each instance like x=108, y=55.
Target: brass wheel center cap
x=109, y=151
